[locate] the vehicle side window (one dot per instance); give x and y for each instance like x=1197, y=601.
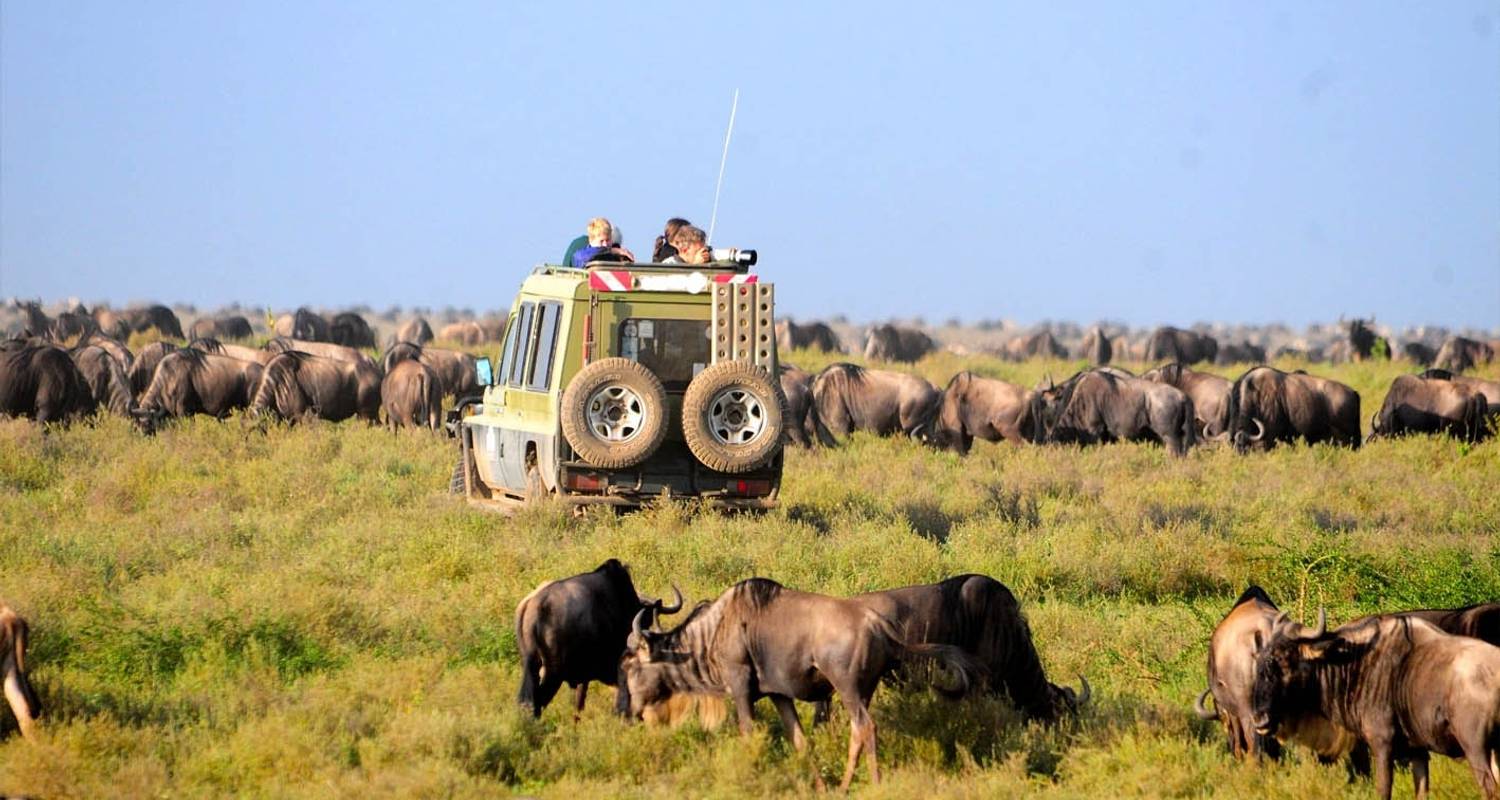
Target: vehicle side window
x=517, y=353
x=508, y=350
x=540, y=372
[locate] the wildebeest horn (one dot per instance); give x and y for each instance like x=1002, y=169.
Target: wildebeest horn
x=1260, y=430
x=636, y=629
x=1201, y=706
x=663, y=608
x=916, y=433
x=1085, y=692
x=1322, y=624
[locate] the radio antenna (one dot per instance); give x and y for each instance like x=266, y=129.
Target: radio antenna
x=714, y=218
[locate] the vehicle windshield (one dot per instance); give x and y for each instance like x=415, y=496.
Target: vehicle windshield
x=674, y=349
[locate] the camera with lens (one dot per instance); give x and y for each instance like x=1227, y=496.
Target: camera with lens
x=734, y=255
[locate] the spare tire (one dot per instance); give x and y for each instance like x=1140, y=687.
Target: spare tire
x=614, y=413
x=733, y=416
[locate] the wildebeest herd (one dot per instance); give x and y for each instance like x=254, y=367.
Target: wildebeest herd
x=328, y=376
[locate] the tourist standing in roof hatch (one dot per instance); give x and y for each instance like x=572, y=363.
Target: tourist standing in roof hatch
x=664, y=249
x=601, y=245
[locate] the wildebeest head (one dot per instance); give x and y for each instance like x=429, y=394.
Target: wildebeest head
x=1285, y=671
x=647, y=674
x=148, y=419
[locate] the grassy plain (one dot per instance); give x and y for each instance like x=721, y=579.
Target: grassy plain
x=303, y=612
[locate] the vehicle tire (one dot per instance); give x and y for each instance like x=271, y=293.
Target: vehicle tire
x=456, y=483
x=614, y=413
x=733, y=417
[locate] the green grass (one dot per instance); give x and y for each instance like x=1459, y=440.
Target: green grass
x=304, y=613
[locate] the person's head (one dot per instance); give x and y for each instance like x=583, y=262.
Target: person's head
x=664, y=249
x=600, y=232
x=692, y=245
x=616, y=237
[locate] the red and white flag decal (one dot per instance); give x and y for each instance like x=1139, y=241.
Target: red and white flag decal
x=609, y=280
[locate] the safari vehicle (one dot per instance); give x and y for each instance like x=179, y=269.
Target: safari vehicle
x=619, y=383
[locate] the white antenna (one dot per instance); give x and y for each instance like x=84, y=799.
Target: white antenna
x=714, y=218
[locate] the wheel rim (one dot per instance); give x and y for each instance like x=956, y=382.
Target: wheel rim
x=616, y=413
x=736, y=416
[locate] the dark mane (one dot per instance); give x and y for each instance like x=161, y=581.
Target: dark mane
x=759, y=592
x=1436, y=374
x=1254, y=592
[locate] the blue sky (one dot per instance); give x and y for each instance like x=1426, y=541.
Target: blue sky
x=1147, y=162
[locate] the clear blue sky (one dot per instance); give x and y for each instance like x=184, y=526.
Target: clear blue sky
x=1149, y=162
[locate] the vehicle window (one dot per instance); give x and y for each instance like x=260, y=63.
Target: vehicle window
x=523, y=338
x=674, y=349
x=540, y=373
x=508, y=351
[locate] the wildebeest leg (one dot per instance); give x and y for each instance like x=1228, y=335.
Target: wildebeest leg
x=582, y=693
x=788, y=711
x=822, y=712
x=16, y=694
x=1485, y=763
x=1419, y=782
x=861, y=736
x=1380, y=754
x=545, y=691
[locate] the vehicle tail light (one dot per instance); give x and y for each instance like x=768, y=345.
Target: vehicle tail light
x=586, y=482
x=751, y=488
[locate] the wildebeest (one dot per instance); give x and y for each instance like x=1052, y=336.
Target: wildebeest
x=111, y=323
x=1173, y=344
x=1101, y=405
x=189, y=381
x=456, y=369
x=851, y=398
x=1041, y=344
x=229, y=327
x=242, y=352
x=1481, y=620
x=1360, y=343
x=472, y=332
x=1490, y=389
x=105, y=378
x=813, y=335
x=159, y=317
x=14, y=633
x=890, y=343
x=336, y=352
x=74, y=322
x=415, y=330
x=976, y=407
x=573, y=631
x=1459, y=354
x=980, y=616
x=412, y=396
x=144, y=367
x=1209, y=393
x=1415, y=404
x=304, y=324
x=295, y=384
x=350, y=330
x=1096, y=347
x=41, y=381
x=1399, y=683
x=761, y=639
x=1267, y=406
x=110, y=345
x=803, y=427
x=1418, y=353
x=1241, y=353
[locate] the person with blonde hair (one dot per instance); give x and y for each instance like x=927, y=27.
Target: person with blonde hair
x=692, y=247
x=601, y=246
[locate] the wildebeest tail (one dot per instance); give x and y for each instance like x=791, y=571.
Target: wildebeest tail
x=965, y=668
x=531, y=660
x=1476, y=417
x=1187, y=425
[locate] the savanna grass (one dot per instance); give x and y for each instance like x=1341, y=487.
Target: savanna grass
x=226, y=610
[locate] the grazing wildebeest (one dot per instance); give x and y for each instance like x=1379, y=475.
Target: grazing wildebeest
x=1103, y=405
x=1041, y=344
x=976, y=407
x=1490, y=389
x=1187, y=347
x=1415, y=404
x=415, y=330
x=814, y=335
x=412, y=396
x=1096, y=348
x=466, y=332
x=37, y=321
x=803, y=427
x=111, y=323
x=350, y=330
x=230, y=327
x=295, y=384
x=1241, y=353
x=41, y=381
x=1459, y=354
x=189, y=381
x=573, y=631
x=337, y=352
x=144, y=366
x=304, y=324
x=75, y=322
x=890, y=343
x=14, y=633
x=980, y=616
x=106, y=379
x=1360, y=343
x=1267, y=406
x=851, y=398
x=1398, y=682
x=159, y=317
x=1209, y=393
x=243, y=353
x=109, y=345
x=456, y=369
x=760, y=639
x=1418, y=353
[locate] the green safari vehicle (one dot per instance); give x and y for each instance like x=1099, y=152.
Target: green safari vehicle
x=619, y=383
